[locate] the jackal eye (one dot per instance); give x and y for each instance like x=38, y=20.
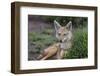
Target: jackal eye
x=59, y=33
x=64, y=34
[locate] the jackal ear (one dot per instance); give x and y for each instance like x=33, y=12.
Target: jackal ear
x=69, y=26
x=57, y=25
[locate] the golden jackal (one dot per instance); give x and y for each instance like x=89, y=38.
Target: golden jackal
x=64, y=36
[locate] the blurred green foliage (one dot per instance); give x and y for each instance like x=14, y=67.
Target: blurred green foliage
x=79, y=22
x=42, y=40
x=79, y=46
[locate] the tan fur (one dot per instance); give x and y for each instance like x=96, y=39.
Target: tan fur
x=50, y=51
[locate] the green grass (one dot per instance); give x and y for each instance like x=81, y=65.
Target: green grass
x=43, y=39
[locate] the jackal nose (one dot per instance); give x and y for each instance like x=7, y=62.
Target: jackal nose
x=60, y=41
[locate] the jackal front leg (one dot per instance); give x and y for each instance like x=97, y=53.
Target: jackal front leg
x=60, y=54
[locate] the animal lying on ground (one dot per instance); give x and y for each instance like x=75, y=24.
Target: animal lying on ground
x=64, y=36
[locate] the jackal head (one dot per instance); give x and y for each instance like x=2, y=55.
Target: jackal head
x=63, y=33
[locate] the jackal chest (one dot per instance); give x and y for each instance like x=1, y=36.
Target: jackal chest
x=66, y=45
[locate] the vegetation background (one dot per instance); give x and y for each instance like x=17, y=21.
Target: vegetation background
x=41, y=34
